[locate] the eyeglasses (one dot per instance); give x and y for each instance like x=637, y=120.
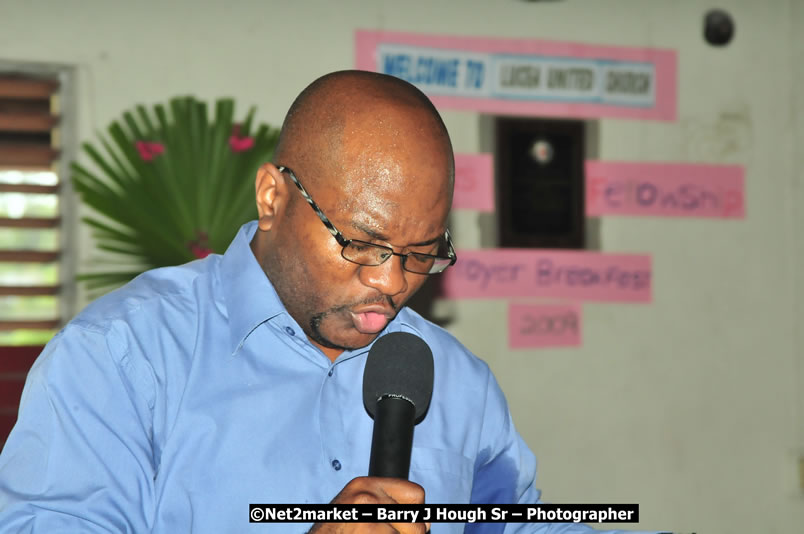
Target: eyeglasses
x=370, y=254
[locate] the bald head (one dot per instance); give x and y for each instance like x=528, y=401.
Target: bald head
x=373, y=153
x=345, y=119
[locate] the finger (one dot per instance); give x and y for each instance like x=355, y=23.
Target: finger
x=410, y=528
x=402, y=491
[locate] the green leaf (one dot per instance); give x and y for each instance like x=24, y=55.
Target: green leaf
x=197, y=191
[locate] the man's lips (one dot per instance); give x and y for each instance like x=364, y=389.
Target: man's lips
x=371, y=319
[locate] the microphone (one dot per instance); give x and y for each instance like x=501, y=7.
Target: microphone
x=397, y=386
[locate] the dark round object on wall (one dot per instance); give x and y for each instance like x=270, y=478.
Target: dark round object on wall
x=718, y=27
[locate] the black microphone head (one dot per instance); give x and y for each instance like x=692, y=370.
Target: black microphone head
x=399, y=365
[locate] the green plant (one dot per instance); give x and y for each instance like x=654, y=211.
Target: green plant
x=172, y=185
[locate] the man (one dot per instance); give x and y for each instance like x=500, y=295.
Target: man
x=174, y=402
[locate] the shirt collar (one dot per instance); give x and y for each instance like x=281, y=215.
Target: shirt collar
x=250, y=297
x=252, y=300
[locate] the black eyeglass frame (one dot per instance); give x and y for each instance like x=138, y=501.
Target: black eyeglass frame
x=344, y=242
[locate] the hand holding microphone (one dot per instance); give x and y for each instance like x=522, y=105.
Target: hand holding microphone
x=397, y=386
x=376, y=490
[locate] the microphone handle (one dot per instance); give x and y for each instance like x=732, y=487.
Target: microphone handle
x=392, y=440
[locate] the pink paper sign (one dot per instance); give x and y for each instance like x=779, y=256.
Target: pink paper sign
x=664, y=189
x=527, y=76
x=578, y=275
x=544, y=325
x=474, y=182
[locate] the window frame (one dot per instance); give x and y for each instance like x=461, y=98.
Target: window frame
x=66, y=140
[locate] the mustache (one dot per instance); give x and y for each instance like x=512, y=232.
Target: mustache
x=381, y=299
x=315, y=320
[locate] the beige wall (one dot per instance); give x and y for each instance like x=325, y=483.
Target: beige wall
x=693, y=405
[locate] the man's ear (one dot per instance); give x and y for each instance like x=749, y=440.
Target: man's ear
x=272, y=195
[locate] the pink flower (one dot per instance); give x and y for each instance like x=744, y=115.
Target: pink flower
x=199, y=246
x=240, y=144
x=148, y=150
x=199, y=251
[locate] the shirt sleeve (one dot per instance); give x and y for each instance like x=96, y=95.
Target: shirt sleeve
x=506, y=473
x=79, y=458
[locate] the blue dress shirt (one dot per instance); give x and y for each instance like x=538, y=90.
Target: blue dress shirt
x=169, y=405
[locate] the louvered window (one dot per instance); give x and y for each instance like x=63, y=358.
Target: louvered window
x=29, y=209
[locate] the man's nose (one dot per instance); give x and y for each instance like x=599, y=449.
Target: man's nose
x=388, y=277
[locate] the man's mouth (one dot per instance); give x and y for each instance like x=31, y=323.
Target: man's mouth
x=369, y=321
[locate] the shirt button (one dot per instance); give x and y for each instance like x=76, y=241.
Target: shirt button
x=336, y=465
x=331, y=371
x=290, y=331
